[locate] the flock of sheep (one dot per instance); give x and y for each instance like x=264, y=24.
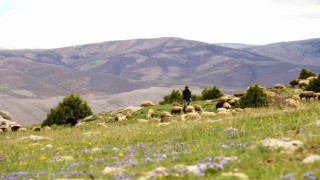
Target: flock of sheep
x=224, y=109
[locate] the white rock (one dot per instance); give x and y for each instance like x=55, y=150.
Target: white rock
x=311, y=159
x=288, y=147
x=48, y=146
x=35, y=138
x=195, y=169
x=112, y=170
x=239, y=175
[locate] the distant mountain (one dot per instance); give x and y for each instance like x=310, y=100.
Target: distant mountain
x=305, y=52
x=108, y=68
x=236, y=45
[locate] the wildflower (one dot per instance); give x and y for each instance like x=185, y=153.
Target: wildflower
x=120, y=155
x=288, y=176
x=309, y=176
x=43, y=158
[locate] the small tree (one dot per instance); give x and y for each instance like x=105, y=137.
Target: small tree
x=254, y=97
x=314, y=85
x=211, y=93
x=175, y=95
x=304, y=74
x=69, y=111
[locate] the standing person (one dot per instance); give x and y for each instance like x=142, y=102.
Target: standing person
x=186, y=95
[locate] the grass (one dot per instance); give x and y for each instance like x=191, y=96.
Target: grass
x=142, y=147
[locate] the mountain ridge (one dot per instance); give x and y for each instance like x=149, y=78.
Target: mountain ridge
x=109, y=68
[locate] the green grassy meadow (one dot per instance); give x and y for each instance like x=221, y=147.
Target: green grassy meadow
x=138, y=148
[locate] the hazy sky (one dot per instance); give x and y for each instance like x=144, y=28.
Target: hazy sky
x=58, y=23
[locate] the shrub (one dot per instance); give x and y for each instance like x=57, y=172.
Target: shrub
x=69, y=111
x=211, y=93
x=175, y=95
x=254, y=97
x=304, y=74
x=314, y=85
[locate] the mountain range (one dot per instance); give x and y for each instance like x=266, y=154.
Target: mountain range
x=33, y=81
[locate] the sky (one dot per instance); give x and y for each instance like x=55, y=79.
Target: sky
x=29, y=24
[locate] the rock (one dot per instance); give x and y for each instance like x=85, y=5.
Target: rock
x=35, y=138
x=38, y=128
x=1, y=130
x=150, y=113
x=48, y=146
x=46, y=128
x=157, y=173
x=239, y=175
x=112, y=170
x=311, y=159
x=163, y=124
x=288, y=147
x=195, y=169
x=79, y=125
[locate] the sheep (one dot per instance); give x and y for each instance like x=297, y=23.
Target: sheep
x=1, y=130
x=5, y=115
x=142, y=121
x=239, y=95
x=303, y=83
x=176, y=110
x=36, y=128
x=221, y=109
x=46, y=128
x=311, y=78
x=198, y=107
x=318, y=96
x=156, y=120
x=221, y=101
x=188, y=109
x=150, y=113
x=208, y=115
x=165, y=116
x=146, y=103
x=294, y=82
x=175, y=104
x=292, y=103
x=279, y=86
x=223, y=114
x=192, y=116
x=119, y=117
x=219, y=105
x=307, y=95
x=79, y=125
x=232, y=102
x=22, y=129
x=238, y=109
x=129, y=115
x=226, y=105
x=295, y=97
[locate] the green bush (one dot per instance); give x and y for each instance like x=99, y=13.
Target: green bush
x=304, y=74
x=175, y=95
x=254, y=97
x=69, y=111
x=211, y=93
x=314, y=85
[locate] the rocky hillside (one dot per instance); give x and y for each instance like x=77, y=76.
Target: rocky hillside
x=104, y=69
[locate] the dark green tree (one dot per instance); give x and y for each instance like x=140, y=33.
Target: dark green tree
x=211, y=93
x=69, y=111
x=175, y=95
x=314, y=85
x=304, y=74
x=254, y=97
